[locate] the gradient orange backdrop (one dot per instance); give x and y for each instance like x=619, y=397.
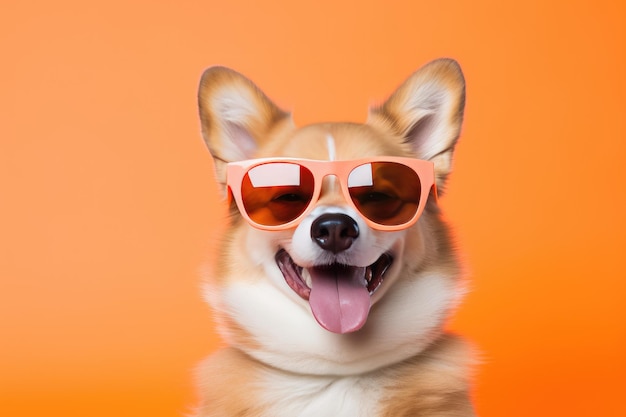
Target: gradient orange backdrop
x=108, y=208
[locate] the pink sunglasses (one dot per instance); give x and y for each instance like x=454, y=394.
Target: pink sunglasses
x=277, y=193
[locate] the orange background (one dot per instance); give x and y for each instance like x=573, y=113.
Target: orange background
x=108, y=208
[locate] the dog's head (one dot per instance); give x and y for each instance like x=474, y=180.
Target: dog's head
x=334, y=283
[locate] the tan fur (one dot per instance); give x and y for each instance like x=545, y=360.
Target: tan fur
x=421, y=119
x=433, y=384
x=228, y=385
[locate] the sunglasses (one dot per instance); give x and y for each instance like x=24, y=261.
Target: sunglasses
x=277, y=193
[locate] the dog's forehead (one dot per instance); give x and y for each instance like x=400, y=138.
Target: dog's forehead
x=336, y=141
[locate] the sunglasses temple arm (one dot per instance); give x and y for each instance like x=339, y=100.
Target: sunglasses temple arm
x=229, y=196
x=433, y=192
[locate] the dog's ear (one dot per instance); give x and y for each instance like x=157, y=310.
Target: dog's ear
x=236, y=117
x=426, y=111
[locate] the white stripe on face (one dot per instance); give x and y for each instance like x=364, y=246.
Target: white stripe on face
x=332, y=153
x=330, y=142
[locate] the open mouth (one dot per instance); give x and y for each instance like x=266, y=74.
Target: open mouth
x=339, y=295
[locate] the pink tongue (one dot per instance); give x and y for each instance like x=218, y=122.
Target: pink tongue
x=339, y=298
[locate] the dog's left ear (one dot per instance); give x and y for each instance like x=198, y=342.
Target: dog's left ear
x=426, y=111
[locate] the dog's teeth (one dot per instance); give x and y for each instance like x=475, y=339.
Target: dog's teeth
x=306, y=276
x=368, y=274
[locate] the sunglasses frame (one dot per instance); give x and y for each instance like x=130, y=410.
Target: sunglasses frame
x=425, y=170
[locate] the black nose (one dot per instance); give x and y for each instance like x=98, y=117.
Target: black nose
x=334, y=232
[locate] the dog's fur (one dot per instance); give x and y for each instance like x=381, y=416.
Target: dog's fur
x=280, y=361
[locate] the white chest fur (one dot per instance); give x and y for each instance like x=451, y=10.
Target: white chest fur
x=314, y=396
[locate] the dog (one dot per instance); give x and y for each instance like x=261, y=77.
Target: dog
x=336, y=276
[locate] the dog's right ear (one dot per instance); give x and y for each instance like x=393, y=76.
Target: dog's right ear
x=426, y=111
x=236, y=117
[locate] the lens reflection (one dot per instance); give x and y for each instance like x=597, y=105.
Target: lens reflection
x=276, y=193
x=387, y=193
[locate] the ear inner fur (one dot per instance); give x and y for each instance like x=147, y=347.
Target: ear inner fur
x=237, y=117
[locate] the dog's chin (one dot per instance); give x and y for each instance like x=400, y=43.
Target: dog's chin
x=339, y=295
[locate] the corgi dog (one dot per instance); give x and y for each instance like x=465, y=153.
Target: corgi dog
x=334, y=281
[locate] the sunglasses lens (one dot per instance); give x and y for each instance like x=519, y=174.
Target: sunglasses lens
x=387, y=193
x=276, y=193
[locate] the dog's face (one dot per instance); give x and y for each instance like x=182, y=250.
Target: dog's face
x=331, y=293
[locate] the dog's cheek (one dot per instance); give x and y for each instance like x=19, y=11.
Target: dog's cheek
x=371, y=244
x=301, y=247
x=261, y=245
x=261, y=248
